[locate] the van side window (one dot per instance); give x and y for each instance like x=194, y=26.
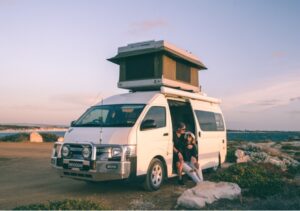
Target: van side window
x=158, y=114
x=210, y=121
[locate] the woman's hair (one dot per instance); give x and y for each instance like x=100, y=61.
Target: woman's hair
x=187, y=134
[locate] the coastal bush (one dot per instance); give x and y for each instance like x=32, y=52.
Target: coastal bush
x=68, y=204
x=20, y=137
x=290, y=147
x=258, y=179
x=230, y=156
x=49, y=137
x=293, y=170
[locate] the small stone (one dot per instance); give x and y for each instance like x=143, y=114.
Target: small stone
x=60, y=139
x=36, y=137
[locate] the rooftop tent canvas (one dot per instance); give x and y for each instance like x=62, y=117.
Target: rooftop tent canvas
x=150, y=65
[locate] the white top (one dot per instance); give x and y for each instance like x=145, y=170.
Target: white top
x=152, y=44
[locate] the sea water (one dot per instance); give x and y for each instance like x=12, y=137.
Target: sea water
x=58, y=133
x=231, y=135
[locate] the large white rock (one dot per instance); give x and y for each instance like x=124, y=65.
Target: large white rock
x=208, y=192
x=36, y=137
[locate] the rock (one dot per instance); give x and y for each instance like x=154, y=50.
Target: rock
x=277, y=162
x=239, y=153
x=241, y=157
x=208, y=192
x=244, y=159
x=60, y=139
x=266, y=152
x=258, y=156
x=36, y=137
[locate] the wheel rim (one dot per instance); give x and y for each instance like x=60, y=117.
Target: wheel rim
x=156, y=175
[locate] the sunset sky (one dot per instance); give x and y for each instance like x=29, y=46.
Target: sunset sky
x=53, y=55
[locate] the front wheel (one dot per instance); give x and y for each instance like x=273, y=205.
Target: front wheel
x=155, y=175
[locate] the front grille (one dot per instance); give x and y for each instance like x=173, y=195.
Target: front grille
x=75, y=151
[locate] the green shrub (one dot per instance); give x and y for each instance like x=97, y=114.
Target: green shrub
x=259, y=179
x=293, y=170
x=290, y=147
x=230, y=157
x=49, y=137
x=20, y=137
x=68, y=204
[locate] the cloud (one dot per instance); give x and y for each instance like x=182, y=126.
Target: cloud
x=278, y=54
x=295, y=99
x=272, y=102
x=269, y=94
x=147, y=25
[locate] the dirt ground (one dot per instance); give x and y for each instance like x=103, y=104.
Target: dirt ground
x=26, y=177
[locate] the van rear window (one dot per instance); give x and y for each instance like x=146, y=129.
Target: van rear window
x=210, y=121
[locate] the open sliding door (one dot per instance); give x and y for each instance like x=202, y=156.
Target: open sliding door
x=210, y=133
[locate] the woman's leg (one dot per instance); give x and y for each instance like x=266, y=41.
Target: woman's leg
x=190, y=172
x=195, y=164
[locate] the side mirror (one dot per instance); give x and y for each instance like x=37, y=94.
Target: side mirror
x=148, y=124
x=73, y=123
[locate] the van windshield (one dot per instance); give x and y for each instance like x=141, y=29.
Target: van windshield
x=122, y=115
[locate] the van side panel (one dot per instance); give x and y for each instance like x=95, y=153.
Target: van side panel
x=154, y=142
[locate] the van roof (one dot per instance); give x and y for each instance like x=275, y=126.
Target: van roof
x=131, y=98
x=143, y=97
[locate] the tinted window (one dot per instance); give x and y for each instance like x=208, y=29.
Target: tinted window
x=183, y=72
x=210, y=121
x=140, y=67
x=158, y=114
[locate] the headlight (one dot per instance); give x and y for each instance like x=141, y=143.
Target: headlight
x=86, y=152
x=116, y=152
x=65, y=151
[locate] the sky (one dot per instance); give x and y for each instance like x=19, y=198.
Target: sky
x=53, y=55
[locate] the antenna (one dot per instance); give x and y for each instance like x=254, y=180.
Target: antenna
x=100, y=140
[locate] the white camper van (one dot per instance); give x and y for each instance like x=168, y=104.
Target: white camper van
x=130, y=136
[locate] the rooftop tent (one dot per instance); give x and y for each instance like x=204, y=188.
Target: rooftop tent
x=150, y=65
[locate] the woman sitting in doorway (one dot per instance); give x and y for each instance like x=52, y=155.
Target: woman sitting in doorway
x=191, y=165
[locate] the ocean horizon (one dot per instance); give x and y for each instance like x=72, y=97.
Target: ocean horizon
x=254, y=136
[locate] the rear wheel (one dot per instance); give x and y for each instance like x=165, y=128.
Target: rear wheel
x=155, y=175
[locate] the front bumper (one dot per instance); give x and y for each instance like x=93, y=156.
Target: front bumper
x=92, y=170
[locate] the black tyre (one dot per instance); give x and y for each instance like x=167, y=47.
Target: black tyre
x=155, y=175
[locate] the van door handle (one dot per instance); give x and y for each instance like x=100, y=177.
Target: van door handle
x=166, y=134
x=199, y=134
